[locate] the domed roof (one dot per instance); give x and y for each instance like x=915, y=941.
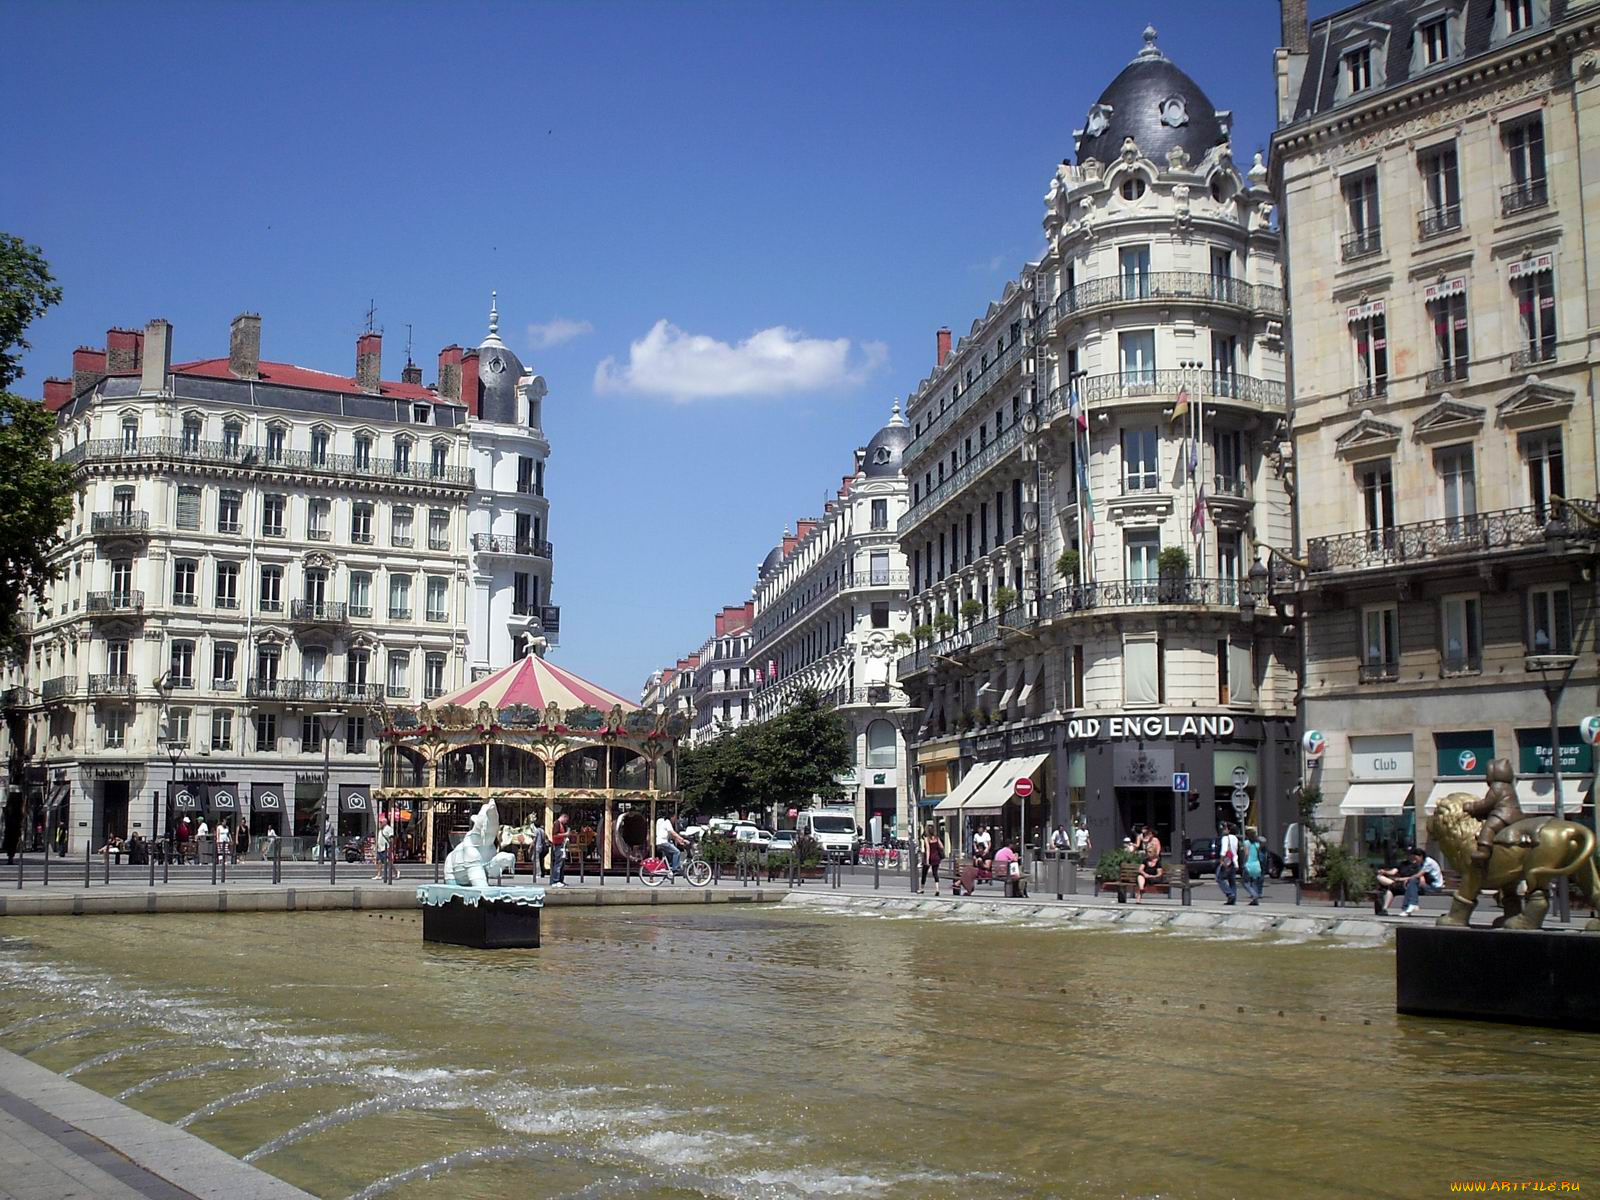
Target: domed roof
x=771, y=562
x=499, y=368
x=1155, y=104
x=887, y=446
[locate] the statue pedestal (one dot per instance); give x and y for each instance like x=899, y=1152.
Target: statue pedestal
x=493, y=918
x=1526, y=977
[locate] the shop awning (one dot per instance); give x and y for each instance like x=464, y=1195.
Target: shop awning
x=969, y=784
x=1375, y=800
x=1537, y=796
x=999, y=789
x=1030, y=681
x=1472, y=787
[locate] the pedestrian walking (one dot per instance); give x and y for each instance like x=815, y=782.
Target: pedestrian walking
x=327, y=840
x=241, y=841
x=183, y=840
x=1080, y=841
x=224, y=841
x=1251, y=870
x=204, y=842
x=381, y=845
x=1228, y=864
x=932, y=856
x=558, y=852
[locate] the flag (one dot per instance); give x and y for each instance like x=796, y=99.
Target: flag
x=1180, y=409
x=1076, y=411
x=772, y=668
x=1197, y=520
x=1086, y=499
x=1194, y=457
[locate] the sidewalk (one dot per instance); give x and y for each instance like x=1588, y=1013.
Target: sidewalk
x=61, y=1141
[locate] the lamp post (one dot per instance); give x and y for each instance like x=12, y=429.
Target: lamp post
x=326, y=723
x=1561, y=665
x=907, y=718
x=175, y=753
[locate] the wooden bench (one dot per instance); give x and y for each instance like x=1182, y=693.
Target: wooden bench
x=1127, y=882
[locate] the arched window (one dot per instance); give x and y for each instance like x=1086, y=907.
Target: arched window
x=629, y=769
x=191, y=435
x=514, y=767
x=462, y=767
x=441, y=455
x=277, y=440
x=584, y=768
x=402, y=767
x=880, y=745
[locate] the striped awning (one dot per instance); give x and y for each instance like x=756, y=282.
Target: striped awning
x=536, y=683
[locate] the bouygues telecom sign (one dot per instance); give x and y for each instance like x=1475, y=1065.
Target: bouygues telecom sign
x=1122, y=728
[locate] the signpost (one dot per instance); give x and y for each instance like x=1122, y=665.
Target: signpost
x=1180, y=800
x=1023, y=788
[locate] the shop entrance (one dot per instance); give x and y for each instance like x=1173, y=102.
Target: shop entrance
x=111, y=817
x=881, y=803
x=1145, y=806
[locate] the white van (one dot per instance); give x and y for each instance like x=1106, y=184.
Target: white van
x=834, y=830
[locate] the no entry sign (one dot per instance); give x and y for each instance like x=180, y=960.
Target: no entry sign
x=1023, y=787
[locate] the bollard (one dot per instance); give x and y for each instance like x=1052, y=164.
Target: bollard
x=1187, y=901
x=876, y=863
x=108, y=868
x=222, y=854
x=214, y=858
x=333, y=865
x=22, y=856
x=87, y=863
x=1058, y=875
x=277, y=860
x=151, y=854
x=166, y=862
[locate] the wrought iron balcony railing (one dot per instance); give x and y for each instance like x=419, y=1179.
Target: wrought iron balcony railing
x=1455, y=372
x=335, y=691
x=1360, y=245
x=979, y=464
x=317, y=612
x=1180, y=590
x=501, y=543
x=1503, y=531
x=114, y=604
x=1530, y=356
x=1365, y=393
x=54, y=689
x=1378, y=672
x=113, y=685
x=1460, y=664
x=1235, y=487
x=966, y=397
x=1094, y=390
x=1164, y=286
x=119, y=523
x=1437, y=221
x=177, y=449
x=1520, y=197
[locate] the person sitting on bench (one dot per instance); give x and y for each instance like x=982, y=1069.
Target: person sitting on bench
x=1003, y=858
x=1420, y=874
x=1150, y=872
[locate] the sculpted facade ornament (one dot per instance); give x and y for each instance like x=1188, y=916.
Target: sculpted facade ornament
x=1425, y=122
x=1174, y=112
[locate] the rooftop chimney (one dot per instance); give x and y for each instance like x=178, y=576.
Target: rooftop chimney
x=244, y=347
x=410, y=373
x=88, y=368
x=1296, y=32
x=450, y=373
x=369, y=361
x=157, y=364
x=470, y=384
x=57, y=392
x=942, y=340
x=124, y=350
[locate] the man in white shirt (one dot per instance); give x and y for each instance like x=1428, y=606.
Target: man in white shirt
x=1228, y=864
x=202, y=841
x=381, y=844
x=981, y=843
x=666, y=835
x=1080, y=841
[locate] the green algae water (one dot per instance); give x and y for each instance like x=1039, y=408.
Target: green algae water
x=792, y=1052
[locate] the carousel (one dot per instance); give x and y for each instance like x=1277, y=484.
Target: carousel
x=540, y=742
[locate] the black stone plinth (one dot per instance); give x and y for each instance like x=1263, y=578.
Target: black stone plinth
x=486, y=925
x=1525, y=977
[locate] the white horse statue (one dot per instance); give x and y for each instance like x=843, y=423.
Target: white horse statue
x=474, y=861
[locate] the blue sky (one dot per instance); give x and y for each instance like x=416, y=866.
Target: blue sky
x=725, y=233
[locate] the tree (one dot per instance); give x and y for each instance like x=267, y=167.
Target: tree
x=35, y=489
x=800, y=752
x=715, y=777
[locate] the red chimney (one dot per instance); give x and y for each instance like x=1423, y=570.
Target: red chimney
x=943, y=339
x=450, y=373
x=469, y=380
x=369, y=361
x=124, y=351
x=88, y=368
x=57, y=392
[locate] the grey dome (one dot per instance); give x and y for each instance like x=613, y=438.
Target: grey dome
x=499, y=368
x=771, y=562
x=887, y=447
x=1155, y=104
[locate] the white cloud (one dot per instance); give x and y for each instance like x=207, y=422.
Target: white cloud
x=556, y=331
x=685, y=366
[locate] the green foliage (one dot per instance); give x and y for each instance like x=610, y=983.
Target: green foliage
x=943, y=623
x=35, y=490
x=783, y=761
x=1067, y=566
x=1004, y=598
x=1347, y=874
x=718, y=849
x=922, y=634
x=714, y=777
x=1173, y=562
x=1109, y=867
x=902, y=640
x=807, y=852
x=971, y=609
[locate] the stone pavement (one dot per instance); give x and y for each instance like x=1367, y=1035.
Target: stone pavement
x=61, y=1141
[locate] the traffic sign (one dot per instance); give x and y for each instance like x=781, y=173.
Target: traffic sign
x=1023, y=787
x=1180, y=781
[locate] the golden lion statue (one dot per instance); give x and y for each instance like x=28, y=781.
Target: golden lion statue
x=1533, y=851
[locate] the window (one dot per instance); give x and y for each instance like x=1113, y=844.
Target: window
x=313, y=664
x=266, y=731
x=1459, y=488
x=222, y=729
x=229, y=503
x=1236, y=683
x=400, y=526
x=315, y=590
x=1361, y=215
x=524, y=474
x=227, y=585
x=1230, y=552
x=270, y=597
x=276, y=436
x=396, y=680
x=438, y=529
x=1227, y=451
x=1357, y=70
x=122, y=501
x=1377, y=498
x=184, y=573
x=1141, y=470
x=1536, y=316
x=224, y=665
x=355, y=735
x=1449, y=313
x=1380, y=643
x=267, y=661
x=317, y=513
x=420, y=414
x=1370, y=342
x=402, y=456
x=881, y=750
x=188, y=511
x=1441, y=185
x=361, y=524
x=1461, y=635
x=363, y=452
x=122, y=582
x=879, y=568
x=437, y=586
x=356, y=663
x=1138, y=354
x=117, y=658
x=1434, y=37
x=880, y=514
x=272, y=516
x=1133, y=263
x=399, y=597
x=310, y=734
x=1519, y=15
x=232, y=435
x=1141, y=671
x=115, y=723
x=1225, y=365
x=441, y=452
x=880, y=616
x=433, y=676
x=180, y=672
x=1133, y=189
x=1524, y=143
x=130, y=434
x=1142, y=548
x=178, y=726
x=191, y=435
x=519, y=594
x=360, y=593
x=319, y=447
x=1549, y=621
x=1541, y=450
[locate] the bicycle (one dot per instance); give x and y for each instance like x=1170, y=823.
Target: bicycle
x=656, y=870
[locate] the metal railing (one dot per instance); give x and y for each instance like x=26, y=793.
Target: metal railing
x=397, y=691
x=399, y=614
x=320, y=535
x=334, y=690
x=317, y=612
x=1195, y=286
x=54, y=689
x=1501, y=531
x=1436, y=221
x=1378, y=672
x=762, y=634
x=971, y=470
x=1236, y=487
x=500, y=543
x=1460, y=664
x=113, y=685
x=1520, y=197
x=119, y=522
x=1364, y=393
x=257, y=458
x=1179, y=590
x=109, y=604
x=360, y=610
x=1455, y=372
x=966, y=397
x=1133, y=385
x=1530, y=356
x=1360, y=245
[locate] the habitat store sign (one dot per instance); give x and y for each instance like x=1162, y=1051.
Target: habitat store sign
x=1120, y=728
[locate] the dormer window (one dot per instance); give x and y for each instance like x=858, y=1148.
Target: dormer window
x=1132, y=189
x=1519, y=15
x=421, y=414
x=1358, y=70
x=1434, y=37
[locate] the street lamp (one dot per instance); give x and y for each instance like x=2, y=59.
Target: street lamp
x=907, y=718
x=1561, y=665
x=175, y=752
x=327, y=722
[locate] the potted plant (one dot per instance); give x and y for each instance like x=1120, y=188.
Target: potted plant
x=943, y=623
x=971, y=609
x=1348, y=875
x=1005, y=598
x=901, y=640
x=1173, y=568
x=922, y=634
x=1067, y=566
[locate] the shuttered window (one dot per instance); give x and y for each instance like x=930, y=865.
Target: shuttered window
x=188, y=508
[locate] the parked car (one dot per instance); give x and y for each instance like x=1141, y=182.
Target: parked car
x=1200, y=856
x=782, y=841
x=749, y=831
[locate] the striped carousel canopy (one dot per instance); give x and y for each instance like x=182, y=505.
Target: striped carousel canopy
x=536, y=683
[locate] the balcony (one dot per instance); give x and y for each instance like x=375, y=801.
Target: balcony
x=399, y=614
x=55, y=689
x=256, y=458
x=1532, y=356
x=1520, y=197
x=1378, y=672
x=433, y=691
x=119, y=524
x=113, y=685
x=438, y=543
x=1504, y=531
x=180, y=683
x=500, y=543
x=316, y=612
x=114, y=604
x=1436, y=222
x=229, y=527
x=1234, y=487
x=361, y=537
x=1440, y=377
x=401, y=540
x=319, y=535
x=1164, y=287
x=1360, y=245
x=361, y=610
x=1182, y=591
x=1165, y=385
x=528, y=487
x=969, y=472
x=965, y=398
x=397, y=691
x=273, y=530
x=319, y=690
x=1364, y=394
x=1454, y=665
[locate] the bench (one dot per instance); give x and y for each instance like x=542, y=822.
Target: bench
x=1127, y=882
